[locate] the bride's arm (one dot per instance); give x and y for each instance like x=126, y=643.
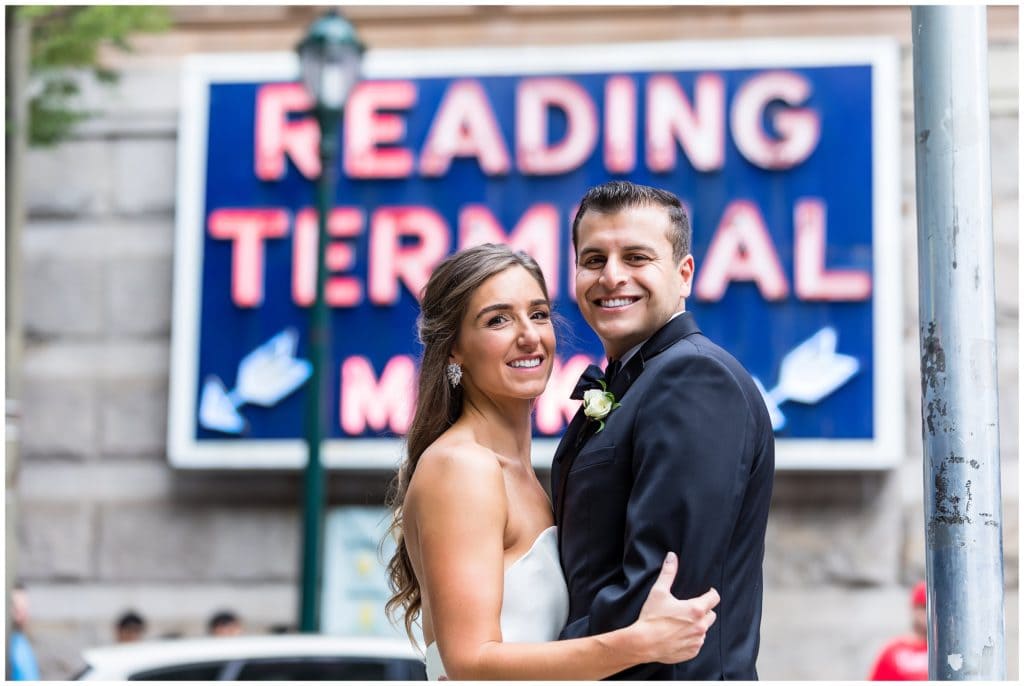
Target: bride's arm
x=458, y=508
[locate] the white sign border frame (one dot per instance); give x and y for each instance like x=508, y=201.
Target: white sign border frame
x=884, y=451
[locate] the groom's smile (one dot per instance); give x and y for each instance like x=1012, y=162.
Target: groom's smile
x=616, y=303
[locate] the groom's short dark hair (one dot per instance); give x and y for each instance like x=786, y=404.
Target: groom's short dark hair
x=614, y=196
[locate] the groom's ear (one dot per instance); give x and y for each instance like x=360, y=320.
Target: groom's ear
x=686, y=272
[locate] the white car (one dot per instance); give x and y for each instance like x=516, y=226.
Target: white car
x=289, y=657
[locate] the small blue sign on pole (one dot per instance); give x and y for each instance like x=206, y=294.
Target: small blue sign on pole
x=785, y=154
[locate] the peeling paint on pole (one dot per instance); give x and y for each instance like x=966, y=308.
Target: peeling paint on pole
x=933, y=369
x=959, y=411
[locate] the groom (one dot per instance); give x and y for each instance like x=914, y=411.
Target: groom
x=684, y=462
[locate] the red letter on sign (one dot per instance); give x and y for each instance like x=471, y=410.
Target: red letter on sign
x=670, y=118
x=798, y=130
x=534, y=97
x=555, y=408
x=391, y=260
x=367, y=128
x=276, y=136
x=386, y=404
x=464, y=127
x=619, y=125
x=339, y=291
x=812, y=281
x=248, y=229
x=536, y=234
x=741, y=250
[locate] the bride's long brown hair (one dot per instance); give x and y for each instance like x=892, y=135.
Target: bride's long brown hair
x=442, y=308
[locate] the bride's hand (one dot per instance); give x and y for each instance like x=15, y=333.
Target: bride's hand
x=673, y=630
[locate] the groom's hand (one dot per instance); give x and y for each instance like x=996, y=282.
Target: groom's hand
x=674, y=628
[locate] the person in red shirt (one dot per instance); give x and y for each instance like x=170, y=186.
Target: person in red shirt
x=906, y=658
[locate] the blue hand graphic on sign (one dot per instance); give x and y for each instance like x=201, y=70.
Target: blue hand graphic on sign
x=217, y=409
x=265, y=376
x=809, y=372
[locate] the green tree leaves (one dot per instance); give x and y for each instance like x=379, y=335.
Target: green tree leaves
x=66, y=40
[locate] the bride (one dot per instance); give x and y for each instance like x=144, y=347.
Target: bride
x=477, y=557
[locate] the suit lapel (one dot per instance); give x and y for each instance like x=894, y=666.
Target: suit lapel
x=580, y=429
x=680, y=327
x=564, y=455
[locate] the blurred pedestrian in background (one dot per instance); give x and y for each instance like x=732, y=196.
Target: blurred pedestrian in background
x=905, y=658
x=130, y=627
x=21, y=658
x=224, y=623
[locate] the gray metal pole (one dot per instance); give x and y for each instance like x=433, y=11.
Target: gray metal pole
x=958, y=345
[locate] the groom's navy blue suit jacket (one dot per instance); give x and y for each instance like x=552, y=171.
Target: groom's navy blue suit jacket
x=685, y=464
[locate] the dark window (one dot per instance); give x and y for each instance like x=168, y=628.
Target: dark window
x=207, y=671
x=332, y=669
x=408, y=670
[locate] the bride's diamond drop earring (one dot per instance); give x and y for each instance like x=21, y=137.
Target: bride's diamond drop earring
x=454, y=373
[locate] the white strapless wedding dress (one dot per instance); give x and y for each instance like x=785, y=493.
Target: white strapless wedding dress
x=535, y=603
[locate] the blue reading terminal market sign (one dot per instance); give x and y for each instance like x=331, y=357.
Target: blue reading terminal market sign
x=785, y=154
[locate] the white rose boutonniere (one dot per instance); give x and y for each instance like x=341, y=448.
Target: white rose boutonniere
x=598, y=404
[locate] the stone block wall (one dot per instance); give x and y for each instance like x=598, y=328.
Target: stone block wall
x=105, y=524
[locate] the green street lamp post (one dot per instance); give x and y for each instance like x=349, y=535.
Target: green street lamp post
x=330, y=57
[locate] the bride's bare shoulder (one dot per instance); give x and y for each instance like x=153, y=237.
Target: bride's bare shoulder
x=455, y=456
x=456, y=463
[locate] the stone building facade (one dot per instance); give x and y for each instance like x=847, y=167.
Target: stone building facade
x=104, y=523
